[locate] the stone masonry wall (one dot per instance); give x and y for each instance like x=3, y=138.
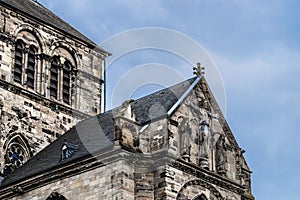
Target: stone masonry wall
x=111, y=182
x=181, y=185
x=50, y=42
x=38, y=125
x=30, y=117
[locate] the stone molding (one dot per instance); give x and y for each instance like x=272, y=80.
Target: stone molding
x=209, y=177
x=63, y=171
x=54, y=105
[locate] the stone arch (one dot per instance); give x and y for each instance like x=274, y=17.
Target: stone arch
x=200, y=197
x=25, y=28
x=67, y=65
x=60, y=47
x=17, y=152
x=130, y=133
x=56, y=196
x=27, y=62
x=185, y=194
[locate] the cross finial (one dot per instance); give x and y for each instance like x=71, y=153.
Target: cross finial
x=198, y=70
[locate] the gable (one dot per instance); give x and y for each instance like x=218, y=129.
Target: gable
x=184, y=120
x=201, y=135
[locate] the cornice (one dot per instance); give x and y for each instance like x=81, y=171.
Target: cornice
x=66, y=170
x=208, y=176
x=54, y=105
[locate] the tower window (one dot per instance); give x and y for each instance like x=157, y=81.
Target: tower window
x=24, y=60
x=54, y=79
x=66, y=82
x=60, y=80
x=18, y=69
x=30, y=71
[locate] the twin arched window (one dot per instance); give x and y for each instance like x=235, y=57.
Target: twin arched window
x=60, y=80
x=25, y=70
x=25, y=59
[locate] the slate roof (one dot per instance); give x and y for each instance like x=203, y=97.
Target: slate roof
x=38, y=12
x=97, y=132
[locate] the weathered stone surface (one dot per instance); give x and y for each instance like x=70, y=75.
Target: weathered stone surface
x=151, y=153
x=28, y=113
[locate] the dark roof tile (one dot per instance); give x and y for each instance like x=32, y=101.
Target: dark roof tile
x=97, y=132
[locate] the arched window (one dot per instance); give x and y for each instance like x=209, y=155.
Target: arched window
x=56, y=196
x=67, y=81
x=17, y=153
x=201, y=197
x=54, y=78
x=25, y=59
x=60, y=79
x=30, y=71
x=18, y=68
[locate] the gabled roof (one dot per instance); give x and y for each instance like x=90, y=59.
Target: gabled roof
x=96, y=133
x=34, y=10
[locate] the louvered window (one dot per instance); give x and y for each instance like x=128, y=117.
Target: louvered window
x=60, y=80
x=18, y=69
x=54, y=79
x=66, y=82
x=30, y=71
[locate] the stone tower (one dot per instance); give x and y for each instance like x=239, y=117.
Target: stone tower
x=50, y=78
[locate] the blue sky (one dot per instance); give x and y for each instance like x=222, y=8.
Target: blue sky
x=256, y=48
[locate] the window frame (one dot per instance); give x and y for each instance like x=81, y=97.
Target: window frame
x=25, y=65
x=60, y=81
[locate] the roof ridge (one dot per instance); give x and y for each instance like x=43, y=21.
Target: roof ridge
x=49, y=157
x=160, y=90
x=39, y=13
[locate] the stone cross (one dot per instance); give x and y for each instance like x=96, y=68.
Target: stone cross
x=198, y=70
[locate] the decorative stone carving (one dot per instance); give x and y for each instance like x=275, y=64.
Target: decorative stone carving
x=246, y=180
x=185, y=132
x=16, y=156
x=203, y=144
x=221, y=156
x=238, y=164
x=126, y=111
x=199, y=107
x=198, y=70
x=184, y=192
x=17, y=153
x=243, y=174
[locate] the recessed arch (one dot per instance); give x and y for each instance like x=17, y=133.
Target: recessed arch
x=184, y=195
x=25, y=28
x=130, y=134
x=17, y=152
x=56, y=196
x=200, y=197
x=26, y=66
x=63, y=49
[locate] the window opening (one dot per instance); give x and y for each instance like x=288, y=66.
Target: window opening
x=30, y=71
x=18, y=62
x=54, y=79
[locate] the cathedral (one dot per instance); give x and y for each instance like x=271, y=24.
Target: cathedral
x=56, y=142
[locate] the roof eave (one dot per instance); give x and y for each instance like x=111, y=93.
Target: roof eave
x=90, y=44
